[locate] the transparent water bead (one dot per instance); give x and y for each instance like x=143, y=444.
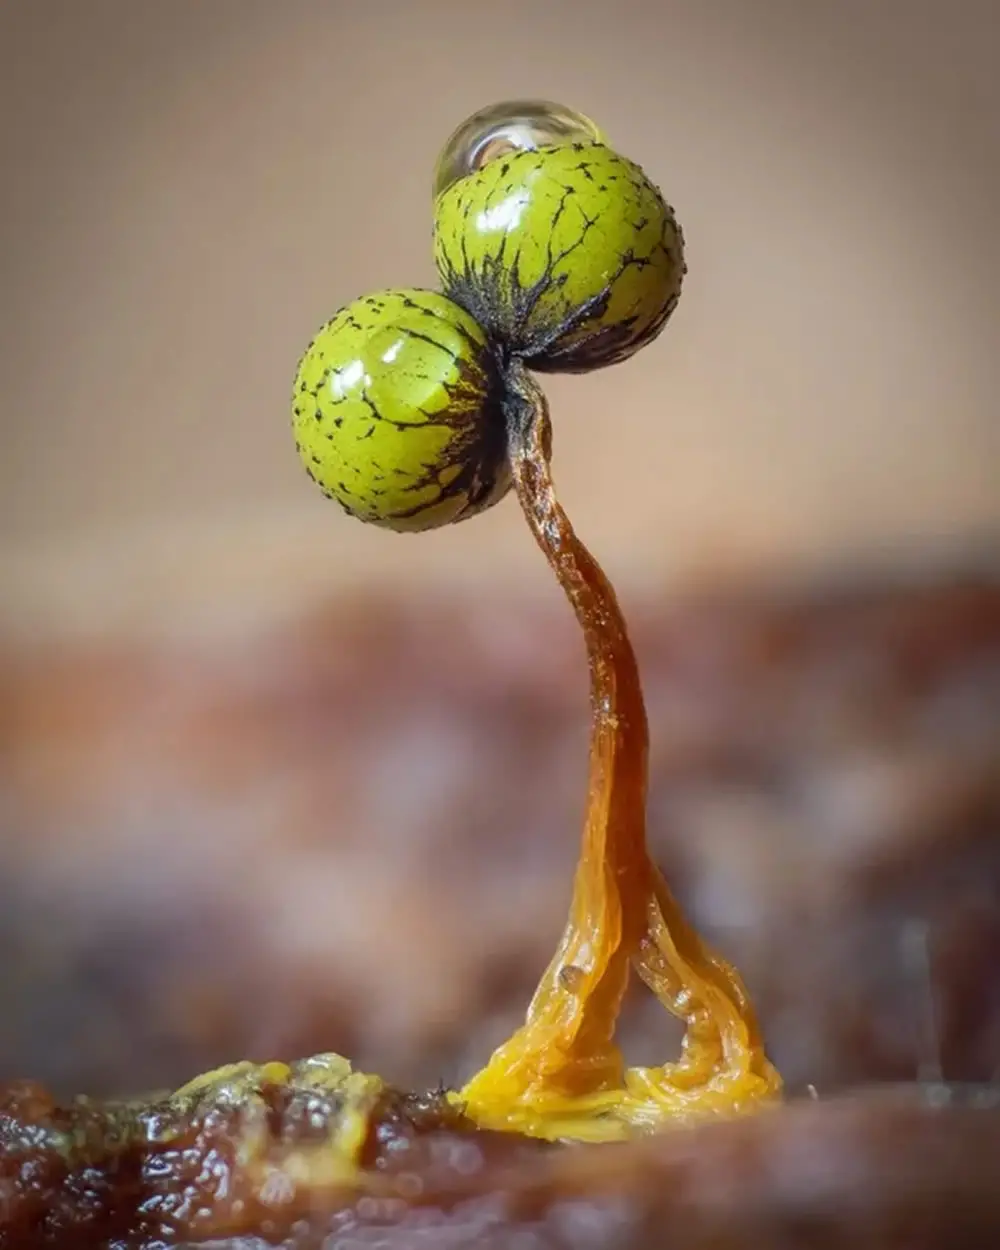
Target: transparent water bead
x=511, y=126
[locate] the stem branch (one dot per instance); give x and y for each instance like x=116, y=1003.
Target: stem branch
x=561, y=1071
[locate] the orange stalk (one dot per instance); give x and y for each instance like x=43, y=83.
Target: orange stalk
x=561, y=1074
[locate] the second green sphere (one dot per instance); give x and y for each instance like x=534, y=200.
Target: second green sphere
x=397, y=412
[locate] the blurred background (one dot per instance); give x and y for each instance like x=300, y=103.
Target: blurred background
x=271, y=782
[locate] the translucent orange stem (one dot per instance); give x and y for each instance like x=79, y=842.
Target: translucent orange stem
x=561, y=1073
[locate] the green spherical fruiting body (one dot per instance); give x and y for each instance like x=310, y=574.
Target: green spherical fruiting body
x=566, y=253
x=397, y=412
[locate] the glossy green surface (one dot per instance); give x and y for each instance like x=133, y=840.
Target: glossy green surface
x=567, y=253
x=396, y=412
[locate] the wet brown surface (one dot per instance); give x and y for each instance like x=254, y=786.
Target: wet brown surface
x=245, y=1155
x=882, y=1171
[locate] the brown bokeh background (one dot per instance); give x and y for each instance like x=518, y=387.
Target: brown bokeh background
x=189, y=189
x=297, y=816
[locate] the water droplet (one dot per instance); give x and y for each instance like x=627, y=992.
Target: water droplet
x=571, y=978
x=512, y=126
